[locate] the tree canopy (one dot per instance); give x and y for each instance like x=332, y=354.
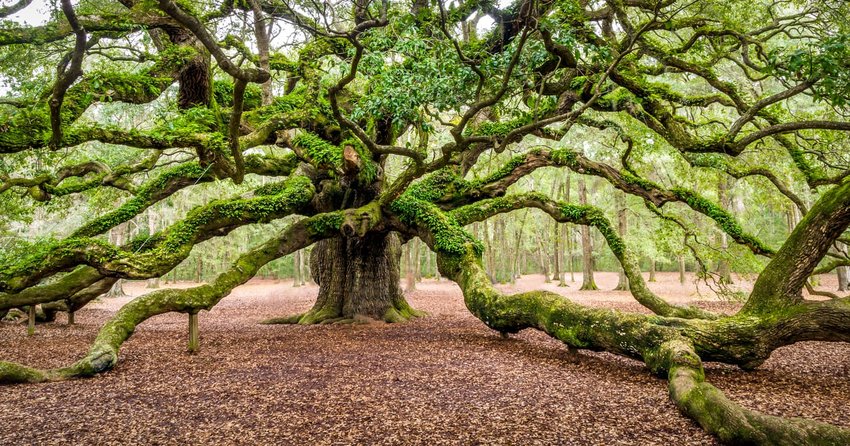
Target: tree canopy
x=356, y=125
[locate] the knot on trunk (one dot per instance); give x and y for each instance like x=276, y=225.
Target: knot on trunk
x=358, y=222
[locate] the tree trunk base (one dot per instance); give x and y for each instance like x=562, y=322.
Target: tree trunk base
x=358, y=281
x=400, y=312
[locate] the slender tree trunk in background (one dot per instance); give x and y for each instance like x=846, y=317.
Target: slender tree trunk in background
x=199, y=270
x=488, y=246
x=622, y=228
x=152, y=283
x=556, y=260
x=652, y=270
x=587, y=281
x=296, y=268
x=523, y=264
x=556, y=245
x=417, y=264
x=118, y=236
x=436, y=270
x=843, y=272
x=793, y=217
x=515, y=260
x=518, y=255
x=723, y=268
x=682, y=269
x=544, y=263
x=843, y=278
x=567, y=234
x=503, y=266
x=410, y=275
x=306, y=268
x=562, y=279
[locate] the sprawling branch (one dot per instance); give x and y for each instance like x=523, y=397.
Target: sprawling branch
x=159, y=253
x=496, y=184
x=103, y=354
x=583, y=215
x=782, y=281
x=668, y=346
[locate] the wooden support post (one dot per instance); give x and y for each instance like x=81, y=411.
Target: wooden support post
x=193, y=332
x=71, y=317
x=31, y=321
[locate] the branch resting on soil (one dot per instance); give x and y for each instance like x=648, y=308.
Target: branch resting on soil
x=668, y=345
x=103, y=354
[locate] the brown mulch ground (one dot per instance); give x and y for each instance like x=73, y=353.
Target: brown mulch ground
x=444, y=379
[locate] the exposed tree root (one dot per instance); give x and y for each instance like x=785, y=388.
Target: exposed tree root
x=647, y=338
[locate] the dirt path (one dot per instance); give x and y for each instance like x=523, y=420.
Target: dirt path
x=444, y=379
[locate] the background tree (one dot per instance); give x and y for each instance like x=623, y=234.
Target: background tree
x=384, y=122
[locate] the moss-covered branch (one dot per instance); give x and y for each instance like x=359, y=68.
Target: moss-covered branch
x=61, y=289
x=670, y=346
x=582, y=215
x=728, y=420
x=782, y=281
x=157, y=254
x=173, y=180
x=103, y=354
x=30, y=127
x=450, y=192
x=44, y=186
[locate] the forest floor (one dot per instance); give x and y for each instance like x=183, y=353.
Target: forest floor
x=442, y=379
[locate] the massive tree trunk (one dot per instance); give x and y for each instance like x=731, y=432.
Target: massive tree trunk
x=358, y=280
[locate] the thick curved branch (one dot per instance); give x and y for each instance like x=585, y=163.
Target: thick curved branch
x=103, y=354
x=66, y=75
x=521, y=165
x=141, y=18
x=726, y=419
x=159, y=253
x=668, y=346
x=583, y=215
x=45, y=186
x=6, y=11
x=782, y=281
x=210, y=43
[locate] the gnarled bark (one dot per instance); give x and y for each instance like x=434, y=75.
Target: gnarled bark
x=358, y=280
